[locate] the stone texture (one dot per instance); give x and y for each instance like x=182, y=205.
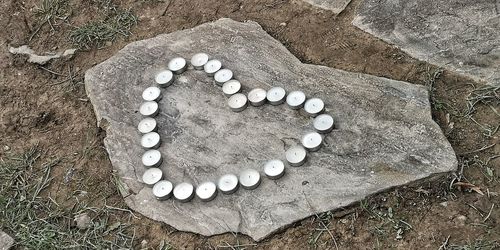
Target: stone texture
x=336, y=6
x=6, y=242
x=460, y=35
x=385, y=136
x=38, y=59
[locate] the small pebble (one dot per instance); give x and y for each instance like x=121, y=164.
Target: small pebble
x=297, y=234
x=460, y=220
x=444, y=204
x=83, y=221
x=144, y=243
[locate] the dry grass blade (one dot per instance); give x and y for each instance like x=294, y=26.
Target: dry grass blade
x=489, y=213
x=488, y=95
x=469, y=186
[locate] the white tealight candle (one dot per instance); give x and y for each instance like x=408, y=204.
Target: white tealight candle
x=237, y=102
x=312, y=141
x=274, y=169
x=223, y=76
x=177, y=65
x=149, y=109
x=231, y=87
x=228, y=184
x=257, y=97
x=249, y=179
x=151, y=94
x=323, y=123
x=152, y=176
x=206, y=191
x=314, y=106
x=147, y=125
x=276, y=95
x=151, y=158
x=296, y=156
x=199, y=60
x=162, y=190
x=150, y=140
x=184, y=192
x=212, y=66
x=164, y=78
x=296, y=99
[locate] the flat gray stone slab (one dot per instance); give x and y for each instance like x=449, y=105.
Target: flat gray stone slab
x=6, y=241
x=385, y=136
x=460, y=35
x=336, y=6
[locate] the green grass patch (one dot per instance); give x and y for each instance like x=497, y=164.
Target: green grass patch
x=50, y=12
x=38, y=222
x=95, y=34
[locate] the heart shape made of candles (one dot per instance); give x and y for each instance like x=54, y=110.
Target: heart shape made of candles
x=228, y=183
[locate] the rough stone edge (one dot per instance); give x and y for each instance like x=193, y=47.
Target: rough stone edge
x=329, y=7
x=392, y=40
x=424, y=180
x=102, y=121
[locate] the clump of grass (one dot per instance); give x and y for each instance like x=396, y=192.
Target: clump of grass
x=50, y=11
x=97, y=33
x=37, y=222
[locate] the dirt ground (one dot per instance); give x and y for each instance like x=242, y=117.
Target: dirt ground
x=455, y=211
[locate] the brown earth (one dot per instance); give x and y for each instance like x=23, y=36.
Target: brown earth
x=36, y=108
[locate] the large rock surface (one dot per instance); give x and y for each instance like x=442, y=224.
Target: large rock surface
x=461, y=35
x=336, y=6
x=385, y=135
